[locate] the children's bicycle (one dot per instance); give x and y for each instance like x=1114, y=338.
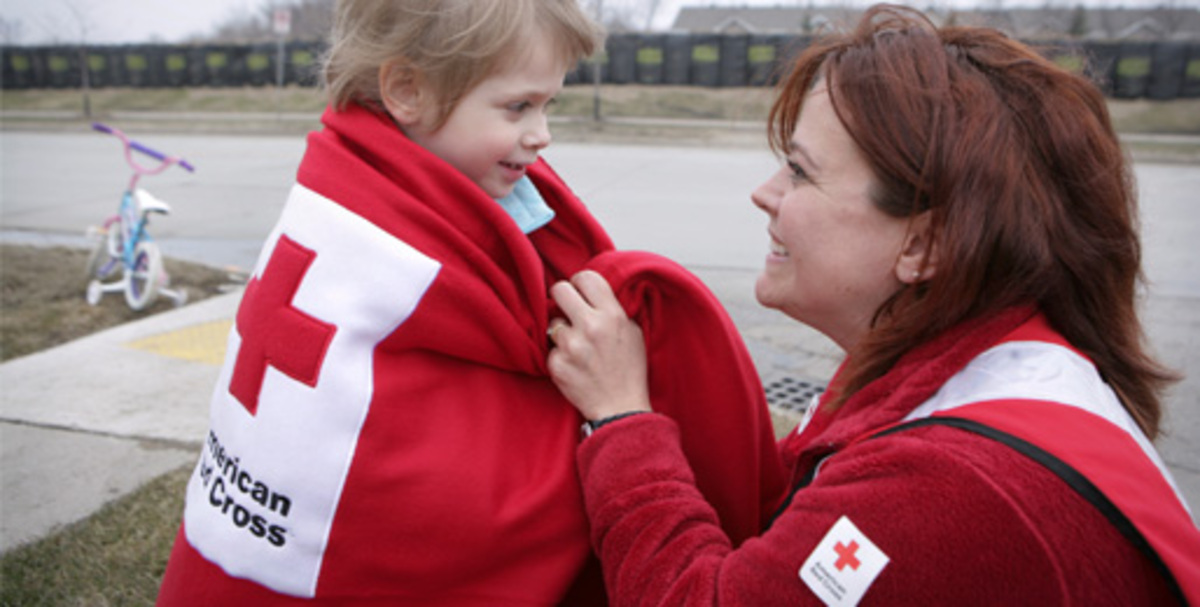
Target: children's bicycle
x=125, y=258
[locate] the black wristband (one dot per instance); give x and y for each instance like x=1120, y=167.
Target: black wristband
x=590, y=427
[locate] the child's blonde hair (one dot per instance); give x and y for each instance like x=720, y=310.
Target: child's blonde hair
x=453, y=44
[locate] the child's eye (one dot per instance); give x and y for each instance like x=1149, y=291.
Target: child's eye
x=519, y=107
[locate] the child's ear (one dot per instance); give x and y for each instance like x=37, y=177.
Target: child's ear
x=401, y=92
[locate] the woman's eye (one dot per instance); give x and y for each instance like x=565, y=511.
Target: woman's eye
x=797, y=172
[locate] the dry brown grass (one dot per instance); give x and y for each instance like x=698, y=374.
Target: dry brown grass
x=42, y=297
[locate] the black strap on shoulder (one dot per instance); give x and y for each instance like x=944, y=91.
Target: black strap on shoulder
x=1072, y=477
x=787, y=501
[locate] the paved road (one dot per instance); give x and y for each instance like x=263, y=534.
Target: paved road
x=691, y=204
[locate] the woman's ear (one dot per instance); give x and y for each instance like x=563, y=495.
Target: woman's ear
x=401, y=92
x=918, y=261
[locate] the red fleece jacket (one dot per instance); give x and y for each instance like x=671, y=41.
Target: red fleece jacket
x=385, y=431
x=937, y=515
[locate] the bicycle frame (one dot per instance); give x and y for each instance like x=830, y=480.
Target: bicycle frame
x=127, y=243
x=130, y=226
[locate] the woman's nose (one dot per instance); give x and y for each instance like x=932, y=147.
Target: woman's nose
x=766, y=196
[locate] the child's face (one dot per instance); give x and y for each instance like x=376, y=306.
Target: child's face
x=498, y=128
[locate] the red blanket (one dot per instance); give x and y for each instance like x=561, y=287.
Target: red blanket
x=384, y=428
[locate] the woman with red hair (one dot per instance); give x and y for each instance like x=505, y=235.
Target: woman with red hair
x=956, y=213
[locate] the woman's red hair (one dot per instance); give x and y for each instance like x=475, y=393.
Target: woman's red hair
x=1030, y=197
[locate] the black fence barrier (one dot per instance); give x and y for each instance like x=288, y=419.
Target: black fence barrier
x=706, y=60
x=302, y=63
x=1167, y=63
x=735, y=61
x=762, y=54
x=62, y=68
x=585, y=71
x=1100, y=64
x=1191, y=73
x=143, y=66
x=260, y=64
x=651, y=59
x=175, y=70
x=1127, y=70
x=1132, y=73
x=16, y=69
x=102, y=66
x=677, y=59
x=621, y=52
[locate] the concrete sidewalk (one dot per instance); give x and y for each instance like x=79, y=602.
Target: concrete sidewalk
x=92, y=420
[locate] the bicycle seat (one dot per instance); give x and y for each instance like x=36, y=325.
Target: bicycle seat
x=147, y=203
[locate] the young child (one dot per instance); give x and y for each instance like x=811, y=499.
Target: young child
x=384, y=428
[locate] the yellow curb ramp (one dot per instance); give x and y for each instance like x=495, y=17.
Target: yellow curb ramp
x=202, y=343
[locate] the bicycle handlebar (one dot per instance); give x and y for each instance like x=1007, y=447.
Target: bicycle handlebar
x=149, y=151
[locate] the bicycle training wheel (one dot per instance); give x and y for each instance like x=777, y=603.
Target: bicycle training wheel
x=143, y=279
x=105, y=257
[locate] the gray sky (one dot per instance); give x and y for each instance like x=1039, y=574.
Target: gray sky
x=138, y=21
x=118, y=21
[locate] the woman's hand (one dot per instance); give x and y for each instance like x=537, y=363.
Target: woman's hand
x=599, y=358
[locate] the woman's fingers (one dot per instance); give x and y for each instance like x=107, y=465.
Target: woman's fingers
x=587, y=301
x=569, y=300
x=595, y=290
x=598, y=361
x=586, y=291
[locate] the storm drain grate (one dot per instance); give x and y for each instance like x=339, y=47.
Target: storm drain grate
x=792, y=394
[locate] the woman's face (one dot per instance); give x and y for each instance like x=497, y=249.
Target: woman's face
x=833, y=254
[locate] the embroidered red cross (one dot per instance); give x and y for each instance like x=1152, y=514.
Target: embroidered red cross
x=273, y=331
x=846, y=555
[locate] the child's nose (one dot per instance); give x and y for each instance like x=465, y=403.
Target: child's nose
x=538, y=135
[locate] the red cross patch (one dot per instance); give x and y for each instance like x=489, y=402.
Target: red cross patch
x=846, y=556
x=273, y=331
x=843, y=566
